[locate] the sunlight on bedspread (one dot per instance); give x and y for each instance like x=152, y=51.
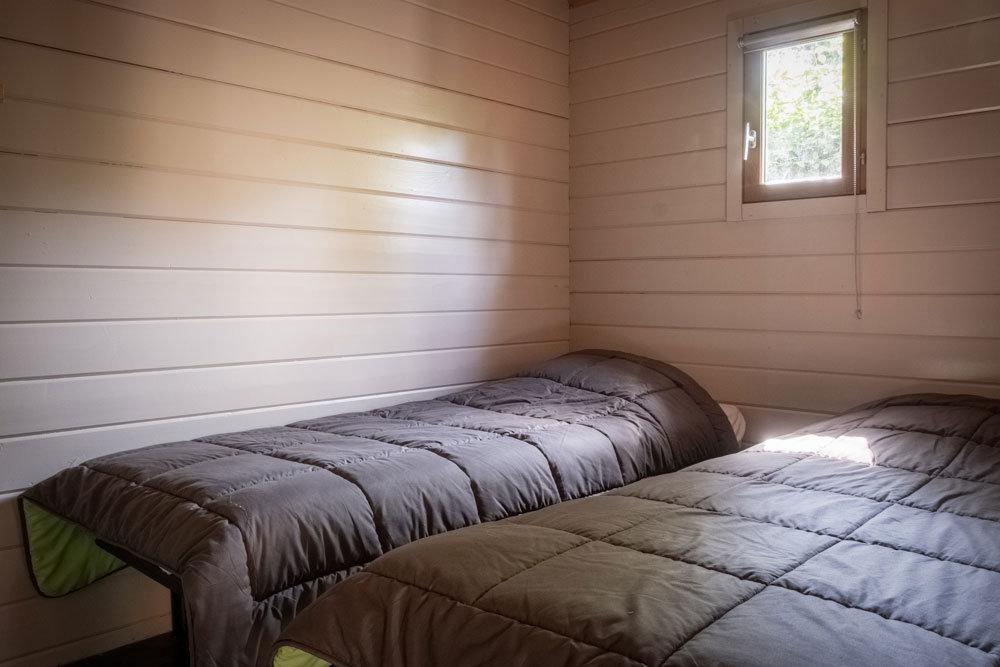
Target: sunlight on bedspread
x=848, y=448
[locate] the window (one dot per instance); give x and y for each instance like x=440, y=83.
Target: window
x=803, y=110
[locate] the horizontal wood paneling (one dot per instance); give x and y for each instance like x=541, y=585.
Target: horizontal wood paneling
x=177, y=48
x=672, y=136
x=40, y=73
x=94, y=294
x=907, y=17
x=132, y=192
x=683, y=170
x=444, y=33
x=42, y=129
x=757, y=237
x=15, y=585
x=677, y=100
x=950, y=49
x=964, y=316
x=975, y=227
x=971, y=272
x=763, y=310
x=31, y=238
x=112, y=603
x=10, y=523
x=599, y=17
x=105, y=641
x=32, y=406
x=225, y=215
x=281, y=26
x=854, y=367
x=681, y=63
x=976, y=180
x=823, y=274
x=648, y=36
x=507, y=18
x=584, y=12
x=967, y=91
x=36, y=457
x=557, y=9
x=39, y=350
x=974, y=360
x=699, y=203
x=816, y=392
x=944, y=139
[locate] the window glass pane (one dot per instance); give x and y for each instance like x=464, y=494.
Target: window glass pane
x=803, y=116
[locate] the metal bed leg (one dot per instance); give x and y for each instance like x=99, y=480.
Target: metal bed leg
x=178, y=622
x=178, y=617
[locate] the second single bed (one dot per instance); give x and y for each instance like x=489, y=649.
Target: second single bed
x=869, y=540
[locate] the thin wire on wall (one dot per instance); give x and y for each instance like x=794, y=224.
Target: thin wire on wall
x=858, y=311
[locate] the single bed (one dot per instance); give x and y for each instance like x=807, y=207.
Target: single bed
x=870, y=539
x=249, y=528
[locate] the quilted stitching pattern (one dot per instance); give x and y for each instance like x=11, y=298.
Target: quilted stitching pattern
x=870, y=539
x=259, y=523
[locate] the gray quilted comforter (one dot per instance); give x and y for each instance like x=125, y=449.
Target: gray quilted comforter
x=872, y=539
x=257, y=524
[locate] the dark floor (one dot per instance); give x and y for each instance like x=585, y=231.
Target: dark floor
x=160, y=651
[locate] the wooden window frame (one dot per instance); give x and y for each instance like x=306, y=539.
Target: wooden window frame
x=853, y=155
x=747, y=22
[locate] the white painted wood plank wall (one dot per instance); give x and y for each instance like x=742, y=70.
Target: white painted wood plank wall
x=269, y=200
x=237, y=213
x=762, y=312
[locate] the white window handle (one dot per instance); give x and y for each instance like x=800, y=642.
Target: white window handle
x=749, y=140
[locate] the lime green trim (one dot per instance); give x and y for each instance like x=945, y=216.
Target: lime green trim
x=289, y=656
x=64, y=557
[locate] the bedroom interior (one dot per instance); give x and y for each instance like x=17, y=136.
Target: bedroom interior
x=226, y=215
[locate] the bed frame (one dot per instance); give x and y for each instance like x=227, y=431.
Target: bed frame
x=178, y=618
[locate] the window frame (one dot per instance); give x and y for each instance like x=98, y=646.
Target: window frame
x=871, y=122
x=852, y=167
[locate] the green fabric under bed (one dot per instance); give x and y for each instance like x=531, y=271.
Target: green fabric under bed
x=289, y=656
x=64, y=557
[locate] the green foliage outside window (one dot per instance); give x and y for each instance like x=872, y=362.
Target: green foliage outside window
x=804, y=96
